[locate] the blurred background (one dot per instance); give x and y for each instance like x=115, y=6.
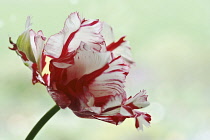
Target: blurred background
x=170, y=43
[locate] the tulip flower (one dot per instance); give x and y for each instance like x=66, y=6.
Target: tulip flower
x=86, y=68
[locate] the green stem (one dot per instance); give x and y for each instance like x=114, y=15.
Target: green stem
x=42, y=122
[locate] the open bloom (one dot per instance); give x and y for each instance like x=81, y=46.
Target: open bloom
x=87, y=70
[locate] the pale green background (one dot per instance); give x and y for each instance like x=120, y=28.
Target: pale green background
x=170, y=43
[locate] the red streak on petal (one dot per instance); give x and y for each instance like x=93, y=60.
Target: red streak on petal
x=45, y=78
x=101, y=101
x=68, y=59
x=117, y=70
x=128, y=109
x=111, y=119
x=83, y=21
x=14, y=45
x=137, y=123
x=71, y=36
x=23, y=55
x=110, y=109
x=114, y=45
x=147, y=117
x=65, y=47
x=15, y=48
x=76, y=85
x=91, y=24
x=43, y=62
x=88, y=78
x=131, y=105
x=115, y=59
x=35, y=75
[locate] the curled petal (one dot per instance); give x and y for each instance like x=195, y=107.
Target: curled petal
x=89, y=33
x=142, y=119
x=138, y=101
x=20, y=53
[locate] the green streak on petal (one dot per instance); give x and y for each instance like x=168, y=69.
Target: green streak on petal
x=26, y=64
x=24, y=45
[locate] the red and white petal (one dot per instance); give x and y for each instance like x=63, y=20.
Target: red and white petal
x=121, y=48
x=87, y=105
x=142, y=119
x=126, y=111
x=23, y=56
x=114, y=101
x=112, y=107
x=111, y=119
x=72, y=24
x=75, y=31
x=138, y=101
x=64, y=62
x=86, y=61
x=124, y=51
x=110, y=82
x=36, y=75
x=55, y=43
x=89, y=33
x=107, y=33
x=37, y=44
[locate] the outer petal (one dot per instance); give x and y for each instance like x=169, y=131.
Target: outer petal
x=24, y=42
x=107, y=33
x=121, y=48
x=23, y=56
x=55, y=43
x=37, y=45
x=75, y=31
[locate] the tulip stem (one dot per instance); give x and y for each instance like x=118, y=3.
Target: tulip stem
x=42, y=122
